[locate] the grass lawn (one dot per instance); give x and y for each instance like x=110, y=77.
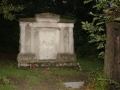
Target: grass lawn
x=12, y=78
x=88, y=64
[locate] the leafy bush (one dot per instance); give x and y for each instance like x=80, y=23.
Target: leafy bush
x=100, y=82
x=97, y=83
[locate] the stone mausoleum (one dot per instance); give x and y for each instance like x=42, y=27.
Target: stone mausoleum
x=46, y=39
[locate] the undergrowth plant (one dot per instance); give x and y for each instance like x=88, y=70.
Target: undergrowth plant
x=6, y=83
x=98, y=81
x=94, y=77
x=4, y=80
x=111, y=82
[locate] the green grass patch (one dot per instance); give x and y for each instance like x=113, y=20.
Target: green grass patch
x=89, y=65
x=13, y=78
x=29, y=78
x=63, y=71
x=8, y=87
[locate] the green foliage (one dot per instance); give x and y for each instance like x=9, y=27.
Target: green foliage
x=96, y=33
x=100, y=81
x=110, y=82
x=96, y=30
x=87, y=1
x=8, y=10
x=102, y=14
x=103, y=4
x=96, y=83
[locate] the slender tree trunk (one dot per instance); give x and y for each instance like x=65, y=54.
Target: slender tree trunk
x=112, y=53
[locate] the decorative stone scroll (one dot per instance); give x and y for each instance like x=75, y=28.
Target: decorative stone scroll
x=46, y=38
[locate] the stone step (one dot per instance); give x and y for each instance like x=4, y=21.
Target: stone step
x=50, y=65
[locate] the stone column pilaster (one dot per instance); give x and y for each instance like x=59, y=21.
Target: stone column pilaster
x=22, y=37
x=32, y=40
x=71, y=40
x=61, y=40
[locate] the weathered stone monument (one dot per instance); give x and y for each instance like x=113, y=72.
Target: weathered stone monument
x=46, y=39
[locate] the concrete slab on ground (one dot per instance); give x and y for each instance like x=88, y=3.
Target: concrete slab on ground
x=73, y=84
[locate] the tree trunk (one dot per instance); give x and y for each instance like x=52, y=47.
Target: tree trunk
x=116, y=71
x=112, y=53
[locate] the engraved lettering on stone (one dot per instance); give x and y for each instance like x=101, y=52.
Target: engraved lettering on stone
x=47, y=44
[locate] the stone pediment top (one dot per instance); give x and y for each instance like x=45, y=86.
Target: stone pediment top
x=27, y=20
x=46, y=17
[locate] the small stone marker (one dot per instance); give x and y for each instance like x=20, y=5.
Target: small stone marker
x=73, y=84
